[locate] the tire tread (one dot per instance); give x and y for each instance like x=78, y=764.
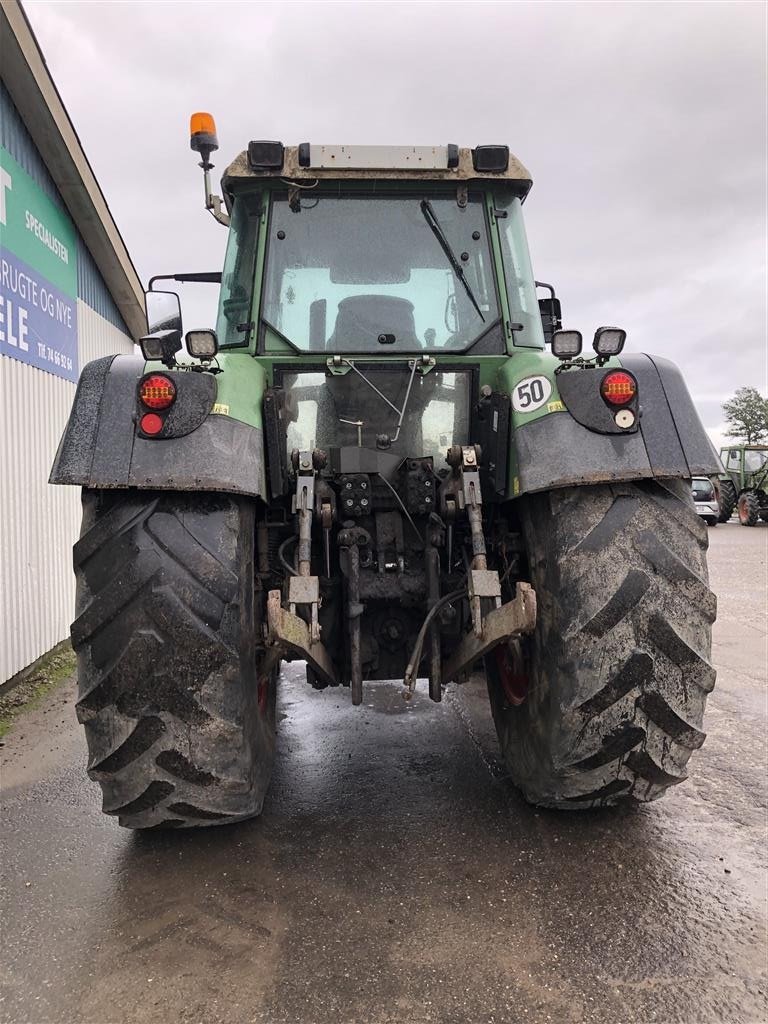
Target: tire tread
x=174, y=734
x=621, y=668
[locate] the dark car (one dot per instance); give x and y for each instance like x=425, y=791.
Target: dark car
x=705, y=497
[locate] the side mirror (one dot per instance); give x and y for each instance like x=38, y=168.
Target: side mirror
x=163, y=311
x=202, y=345
x=551, y=317
x=550, y=312
x=164, y=322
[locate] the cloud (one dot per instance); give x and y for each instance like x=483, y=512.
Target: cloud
x=646, y=136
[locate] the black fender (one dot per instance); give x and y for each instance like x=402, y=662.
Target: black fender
x=579, y=445
x=198, y=449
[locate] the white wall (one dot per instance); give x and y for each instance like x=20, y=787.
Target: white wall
x=38, y=522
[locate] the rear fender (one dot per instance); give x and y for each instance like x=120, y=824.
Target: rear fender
x=569, y=439
x=198, y=449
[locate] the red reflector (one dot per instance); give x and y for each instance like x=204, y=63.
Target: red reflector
x=151, y=423
x=157, y=391
x=618, y=387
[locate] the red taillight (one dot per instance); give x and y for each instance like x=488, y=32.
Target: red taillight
x=157, y=392
x=151, y=423
x=618, y=387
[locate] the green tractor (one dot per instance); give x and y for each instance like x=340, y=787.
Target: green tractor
x=389, y=462
x=743, y=485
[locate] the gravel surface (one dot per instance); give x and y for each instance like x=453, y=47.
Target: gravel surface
x=396, y=876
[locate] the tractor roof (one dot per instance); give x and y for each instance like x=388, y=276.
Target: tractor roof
x=312, y=163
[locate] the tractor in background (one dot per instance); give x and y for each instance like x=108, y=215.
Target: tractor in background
x=744, y=484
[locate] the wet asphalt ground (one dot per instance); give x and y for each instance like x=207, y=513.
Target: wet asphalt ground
x=396, y=876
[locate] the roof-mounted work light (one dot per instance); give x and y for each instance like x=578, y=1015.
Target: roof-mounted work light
x=266, y=156
x=490, y=159
x=566, y=344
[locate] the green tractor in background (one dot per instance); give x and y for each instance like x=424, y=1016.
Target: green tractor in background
x=388, y=461
x=744, y=484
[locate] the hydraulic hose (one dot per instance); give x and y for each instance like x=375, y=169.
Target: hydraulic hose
x=281, y=555
x=413, y=663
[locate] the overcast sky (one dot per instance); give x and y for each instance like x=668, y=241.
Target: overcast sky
x=644, y=127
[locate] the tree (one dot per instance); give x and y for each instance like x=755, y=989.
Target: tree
x=747, y=416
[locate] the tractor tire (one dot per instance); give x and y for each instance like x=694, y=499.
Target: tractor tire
x=617, y=672
x=180, y=729
x=749, y=508
x=727, y=500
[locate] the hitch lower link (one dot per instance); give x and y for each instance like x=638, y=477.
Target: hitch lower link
x=287, y=631
x=503, y=622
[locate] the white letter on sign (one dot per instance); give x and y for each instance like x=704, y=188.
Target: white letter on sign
x=6, y=182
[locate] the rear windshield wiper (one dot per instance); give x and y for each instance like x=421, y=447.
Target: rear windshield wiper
x=431, y=218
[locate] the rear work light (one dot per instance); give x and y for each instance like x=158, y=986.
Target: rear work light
x=157, y=391
x=618, y=387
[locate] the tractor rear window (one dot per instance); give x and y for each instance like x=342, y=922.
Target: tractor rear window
x=330, y=411
x=383, y=275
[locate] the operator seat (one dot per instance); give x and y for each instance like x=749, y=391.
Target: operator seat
x=362, y=319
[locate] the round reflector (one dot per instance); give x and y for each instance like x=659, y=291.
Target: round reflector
x=151, y=423
x=157, y=391
x=618, y=387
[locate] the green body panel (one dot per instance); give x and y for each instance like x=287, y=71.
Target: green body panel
x=241, y=387
x=527, y=363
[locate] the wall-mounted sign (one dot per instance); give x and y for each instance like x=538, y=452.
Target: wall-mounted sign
x=38, y=275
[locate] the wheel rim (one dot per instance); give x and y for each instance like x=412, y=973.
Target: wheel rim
x=743, y=511
x=513, y=674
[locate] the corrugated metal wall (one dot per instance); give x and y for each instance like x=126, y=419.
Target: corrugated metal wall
x=91, y=289
x=39, y=523
x=96, y=337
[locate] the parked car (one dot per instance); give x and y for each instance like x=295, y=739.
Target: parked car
x=706, y=499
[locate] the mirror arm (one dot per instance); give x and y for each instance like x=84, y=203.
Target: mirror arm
x=549, y=287
x=204, y=277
